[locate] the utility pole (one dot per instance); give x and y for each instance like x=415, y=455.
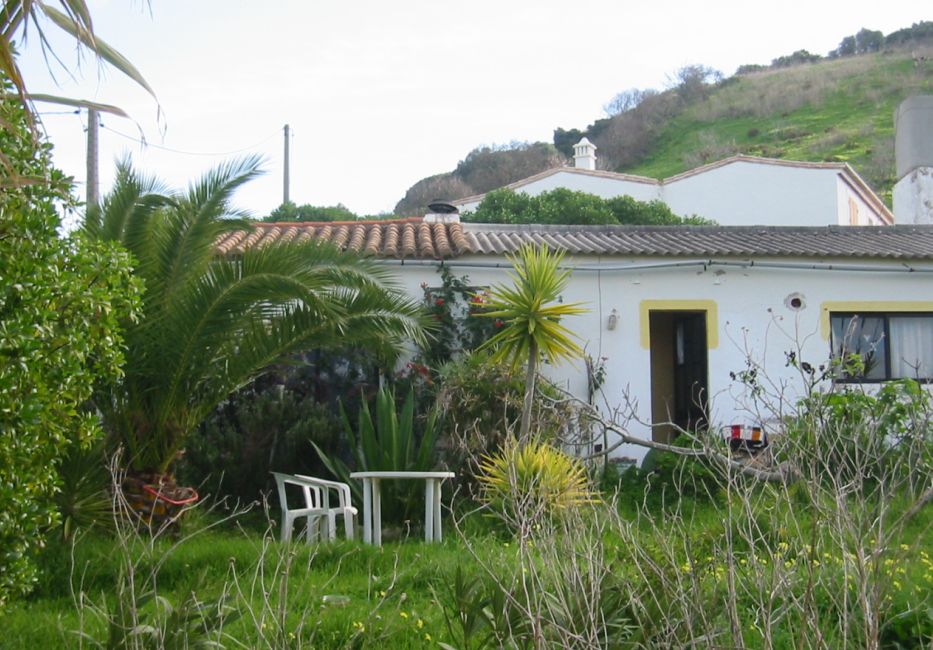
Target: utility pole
x=285, y=180
x=92, y=186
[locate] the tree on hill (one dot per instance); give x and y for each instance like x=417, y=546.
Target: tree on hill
x=626, y=101
x=797, y=58
x=916, y=33
x=563, y=206
x=483, y=169
x=864, y=42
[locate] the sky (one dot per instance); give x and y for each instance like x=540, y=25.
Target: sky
x=381, y=94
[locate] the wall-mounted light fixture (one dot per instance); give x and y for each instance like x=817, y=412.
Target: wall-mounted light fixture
x=613, y=320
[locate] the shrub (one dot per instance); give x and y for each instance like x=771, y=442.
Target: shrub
x=480, y=402
x=453, y=306
x=235, y=450
x=857, y=436
x=61, y=303
x=563, y=206
x=665, y=479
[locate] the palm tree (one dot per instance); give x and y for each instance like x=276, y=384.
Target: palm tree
x=18, y=17
x=211, y=324
x=531, y=311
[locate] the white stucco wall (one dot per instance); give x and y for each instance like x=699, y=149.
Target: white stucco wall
x=848, y=198
x=739, y=193
x=744, y=193
x=752, y=321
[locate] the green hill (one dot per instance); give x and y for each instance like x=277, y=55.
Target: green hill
x=801, y=107
x=839, y=110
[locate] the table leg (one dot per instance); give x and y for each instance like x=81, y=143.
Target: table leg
x=377, y=513
x=367, y=511
x=437, y=511
x=428, y=510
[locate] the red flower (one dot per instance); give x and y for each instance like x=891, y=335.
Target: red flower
x=497, y=323
x=439, y=302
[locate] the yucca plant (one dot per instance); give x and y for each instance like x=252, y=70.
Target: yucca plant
x=211, y=323
x=532, y=314
x=531, y=479
x=390, y=441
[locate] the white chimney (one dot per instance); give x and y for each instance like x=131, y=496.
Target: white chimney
x=442, y=212
x=584, y=155
x=913, y=153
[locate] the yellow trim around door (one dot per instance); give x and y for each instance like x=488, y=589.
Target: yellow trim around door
x=886, y=306
x=645, y=307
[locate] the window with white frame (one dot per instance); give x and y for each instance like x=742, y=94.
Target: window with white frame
x=891, y=345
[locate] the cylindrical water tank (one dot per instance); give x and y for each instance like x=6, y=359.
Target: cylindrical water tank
x=913, y=139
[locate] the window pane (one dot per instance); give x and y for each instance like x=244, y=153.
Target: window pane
x=862, y=335
x=911, y=346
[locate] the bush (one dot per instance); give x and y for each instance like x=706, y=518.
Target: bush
x=665, y=479
x=61, y=304
x=251, y=435
x=865, y=438
x=453, y=306
x=270, y=424
x=563, y=206
x=480, y=403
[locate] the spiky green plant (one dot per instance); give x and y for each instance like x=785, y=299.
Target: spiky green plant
x=211, y=323
x=387, y=442
x=532, y=313
x=530, y=479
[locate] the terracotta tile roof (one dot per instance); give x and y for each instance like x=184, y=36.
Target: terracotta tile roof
x=410, y=238
x=878, y=242
x=413, y=238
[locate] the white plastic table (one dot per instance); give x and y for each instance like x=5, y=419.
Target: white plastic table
x=372, y=502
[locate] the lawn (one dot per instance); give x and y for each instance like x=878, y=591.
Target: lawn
x=657, y=571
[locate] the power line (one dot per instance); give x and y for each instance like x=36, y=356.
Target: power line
x=144, y=143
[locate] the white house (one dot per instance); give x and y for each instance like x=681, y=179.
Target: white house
x=737, y=191
x=680, y=312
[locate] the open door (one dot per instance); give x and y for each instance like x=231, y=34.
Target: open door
x=679, y=371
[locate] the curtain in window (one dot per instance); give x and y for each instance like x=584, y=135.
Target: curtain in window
x=911, y=346
x=863, y=335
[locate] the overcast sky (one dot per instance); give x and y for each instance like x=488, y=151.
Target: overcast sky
x=381, y=94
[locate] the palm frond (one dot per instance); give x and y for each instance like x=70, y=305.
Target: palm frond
x=530, y=310
x=210, y=324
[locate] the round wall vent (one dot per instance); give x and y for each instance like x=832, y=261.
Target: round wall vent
x=795, y=301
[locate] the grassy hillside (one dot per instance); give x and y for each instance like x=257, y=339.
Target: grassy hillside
x=836, y=109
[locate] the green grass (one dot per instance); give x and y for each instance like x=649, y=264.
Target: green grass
x=389, y=592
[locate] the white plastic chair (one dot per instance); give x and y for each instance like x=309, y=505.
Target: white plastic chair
x=343, y=508
x=316, y=508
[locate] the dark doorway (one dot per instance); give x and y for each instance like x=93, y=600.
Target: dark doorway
x=679, y=371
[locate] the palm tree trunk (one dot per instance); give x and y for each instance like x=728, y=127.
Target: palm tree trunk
x=530, y=375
